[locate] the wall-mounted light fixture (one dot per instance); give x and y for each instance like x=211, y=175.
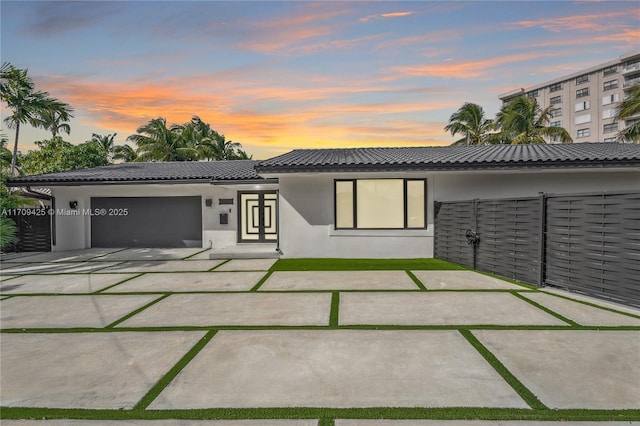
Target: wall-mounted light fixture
x=208, y=202
x=73, y=205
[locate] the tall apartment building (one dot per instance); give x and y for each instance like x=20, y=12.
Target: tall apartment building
x=585, y=102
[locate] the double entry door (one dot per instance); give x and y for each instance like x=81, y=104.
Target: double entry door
x=258, y=217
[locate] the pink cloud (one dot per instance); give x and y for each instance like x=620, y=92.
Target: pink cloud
x=386, y=15
x=464, y=70
x=589, y=22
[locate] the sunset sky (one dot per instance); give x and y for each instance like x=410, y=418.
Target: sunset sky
x=281, y=75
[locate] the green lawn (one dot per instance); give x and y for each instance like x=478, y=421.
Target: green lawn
x=364, y=265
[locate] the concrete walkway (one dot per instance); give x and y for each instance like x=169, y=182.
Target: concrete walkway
x=100, y=329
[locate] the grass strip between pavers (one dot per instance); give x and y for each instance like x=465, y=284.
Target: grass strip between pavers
x=584, y=302
x=547, y=310
x=335, y=307
x=449, y=413
x=195, y=254
x=513, y=381
x=334, y=264
x=416, y=280
x=137, y=311
x=119, y=282
x=326, y=421
x=219, y=264
x=262, y=281
x=153, y=393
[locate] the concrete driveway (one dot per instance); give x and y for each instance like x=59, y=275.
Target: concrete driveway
x=160, y=329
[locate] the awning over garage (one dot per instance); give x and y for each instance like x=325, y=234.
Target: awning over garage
x=146, y=222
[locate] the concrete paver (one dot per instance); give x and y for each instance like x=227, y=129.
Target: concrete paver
x=581, y=313
x=339, y=280
x=61, y=284
x=58, y=268
x=593, y=300
x=163, y=266
x=8, y=265
x=462, y=280
x=338, y=368
x=67, y=311
x=572, y=368
x=247, y=265
x=87, y=370
x=236, y=309
x=193, y=281
x=440, y=308
x=151, y=254
x=69, y=255
x=350, y=422
x=12, y=257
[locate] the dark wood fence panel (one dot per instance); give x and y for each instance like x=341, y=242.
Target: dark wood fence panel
x=452, y=219
x=34, y=229
x=510, y=236
x=589, y=243
x=593, y=245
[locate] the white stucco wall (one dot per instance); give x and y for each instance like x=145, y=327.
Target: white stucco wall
x=307, y=207
x=307, y=228
x=74, y=231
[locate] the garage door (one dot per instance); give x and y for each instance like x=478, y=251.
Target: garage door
x=146, y=222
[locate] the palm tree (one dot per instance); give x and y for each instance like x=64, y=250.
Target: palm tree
x=105, y=142
x=55, y=118
x=125, y=153
x=18, y=92
x=222, y=149
x=522, y=121
x=470, y=122
x=628, y=108
x=242, y=155
x=156, y=142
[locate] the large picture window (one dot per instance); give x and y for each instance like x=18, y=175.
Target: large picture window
x=380, y=204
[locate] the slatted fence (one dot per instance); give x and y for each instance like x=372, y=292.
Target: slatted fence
x=588, y=243
x=34, y=230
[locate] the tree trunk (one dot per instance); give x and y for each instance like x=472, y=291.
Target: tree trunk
x=15, y=150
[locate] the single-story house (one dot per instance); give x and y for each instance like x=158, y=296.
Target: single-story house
x=361, y=202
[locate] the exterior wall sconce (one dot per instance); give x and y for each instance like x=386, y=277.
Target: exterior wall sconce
x=208, y=202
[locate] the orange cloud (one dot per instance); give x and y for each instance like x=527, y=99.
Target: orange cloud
x=266, y=119
x=464, y=70
x=627, y=36
x=386, y=15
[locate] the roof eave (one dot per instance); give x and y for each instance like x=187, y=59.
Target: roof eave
x=78, y=182
x=447, y=167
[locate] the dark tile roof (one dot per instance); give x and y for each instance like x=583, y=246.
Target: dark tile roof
x=455, y=158
x=183, y=171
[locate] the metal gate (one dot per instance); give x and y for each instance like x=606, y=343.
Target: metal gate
x=587, y=243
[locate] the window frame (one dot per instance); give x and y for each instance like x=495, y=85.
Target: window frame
x=555, y=100
x=583, y=133
x=555, y=87
x=555, y=112
x=355, y=205
x=611, y=127
x=582, y=79
x=610, y=85
x=581, y=93
x=613, y=69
